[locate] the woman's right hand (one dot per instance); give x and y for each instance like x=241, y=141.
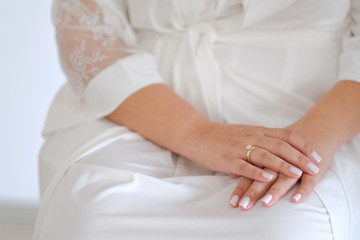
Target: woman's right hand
x=222, y=148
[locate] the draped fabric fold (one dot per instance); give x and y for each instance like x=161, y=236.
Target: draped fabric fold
x=195, y=63
x=259, y=10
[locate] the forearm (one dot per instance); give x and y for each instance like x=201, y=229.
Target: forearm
x=334, y=119
x=161, y=116
x=158, y=114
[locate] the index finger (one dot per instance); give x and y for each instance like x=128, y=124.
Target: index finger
x=295, y=140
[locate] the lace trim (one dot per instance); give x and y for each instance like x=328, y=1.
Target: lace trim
x=87, y=45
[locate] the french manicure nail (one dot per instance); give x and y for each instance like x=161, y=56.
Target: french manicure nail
x=312, y=167
x=267, y=175
x=297, y=197
x=295, y=170
x=234, y=200
x=267, y=199
x=245, y=202
x=316, y=157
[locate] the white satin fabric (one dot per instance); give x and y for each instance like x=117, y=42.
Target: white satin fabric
x=253, y=62
x=119, y=192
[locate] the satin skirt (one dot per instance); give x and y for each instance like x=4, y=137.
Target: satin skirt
x=130, y=188
x=119, y=192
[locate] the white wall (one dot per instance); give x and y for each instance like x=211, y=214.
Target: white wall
x=29, y=77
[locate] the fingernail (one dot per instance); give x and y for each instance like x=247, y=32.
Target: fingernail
x=312, y=167
x=267, y=175
x=297, y=197
x=295, y=170
x=245, y=202
x=316, y=157
x=234, y=200
x=267, y=199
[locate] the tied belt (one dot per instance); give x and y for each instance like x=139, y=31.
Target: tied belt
x=196, y=73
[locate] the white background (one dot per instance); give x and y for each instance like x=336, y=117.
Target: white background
x=30, y=75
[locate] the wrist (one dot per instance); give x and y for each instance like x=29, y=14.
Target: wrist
x=319, y=138
x=190, y=137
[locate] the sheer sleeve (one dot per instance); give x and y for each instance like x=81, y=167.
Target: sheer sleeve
x=101, y=60
x=87, y=44
x=349, y=68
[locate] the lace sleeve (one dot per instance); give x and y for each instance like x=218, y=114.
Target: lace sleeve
x=90, y=38
x=101, y=60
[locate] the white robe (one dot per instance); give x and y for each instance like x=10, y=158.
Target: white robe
x=253, y=62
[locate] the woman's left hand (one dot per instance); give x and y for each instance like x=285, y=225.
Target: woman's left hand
x=248, y=192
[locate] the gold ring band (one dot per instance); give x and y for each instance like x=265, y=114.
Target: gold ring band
x=249, y=148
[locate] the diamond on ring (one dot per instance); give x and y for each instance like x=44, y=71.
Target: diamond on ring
x=249, y=148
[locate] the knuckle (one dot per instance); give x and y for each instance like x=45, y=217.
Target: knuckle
x=264, y=155
x=280, y=145
x=284, y=165
x=242, y=165
x=253, y=172
x=239, y=190
x=290, y=134
x=309, y=184
x=275, y=191
x=252, y=193
x=301, y=158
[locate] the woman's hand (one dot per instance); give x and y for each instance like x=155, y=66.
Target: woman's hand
x=333, y=120
x=222, y=148
x=248, y=191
